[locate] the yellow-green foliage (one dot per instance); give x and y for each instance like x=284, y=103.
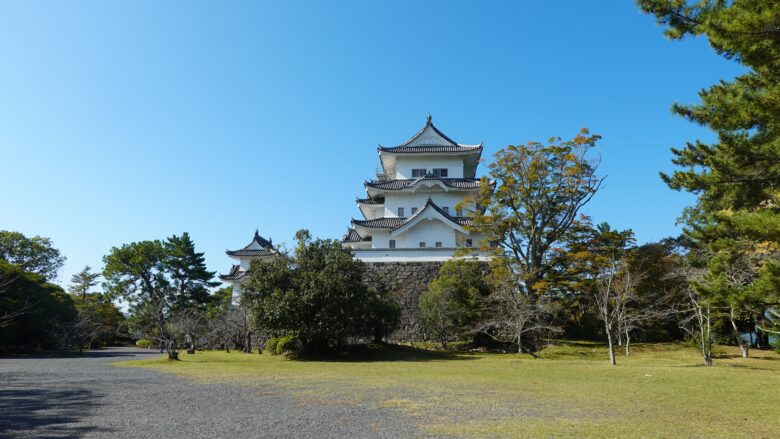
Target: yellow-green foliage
x=143, y=343
x=287, y=345
x=570, y=391
x=270, y=345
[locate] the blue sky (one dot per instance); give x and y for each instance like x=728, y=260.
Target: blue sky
x=125, y=121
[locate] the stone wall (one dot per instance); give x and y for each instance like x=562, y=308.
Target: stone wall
x=407, y=281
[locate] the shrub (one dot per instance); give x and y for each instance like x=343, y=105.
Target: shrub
x=450, y=307
x=316, y=293
x=270, y=345
x=287, y=345
x=144, y=343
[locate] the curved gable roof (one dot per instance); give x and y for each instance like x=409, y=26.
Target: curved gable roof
x=398, y=225
x=258, y=247
x=429, y=139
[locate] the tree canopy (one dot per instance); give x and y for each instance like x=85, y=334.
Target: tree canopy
x=34, y=254
x=316, y=294
x=159, y=279
x=737, y=177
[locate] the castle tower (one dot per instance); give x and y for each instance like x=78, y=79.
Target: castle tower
x=411, y=212
x=259, y=248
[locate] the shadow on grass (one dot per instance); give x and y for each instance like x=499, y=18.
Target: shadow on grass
x=42, y=412
x=739, y=356
x=384, y=353
x=99, y=353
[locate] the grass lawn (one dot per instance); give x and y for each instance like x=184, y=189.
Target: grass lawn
x=660, y=391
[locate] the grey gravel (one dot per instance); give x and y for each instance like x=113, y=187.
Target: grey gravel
x=84, y=396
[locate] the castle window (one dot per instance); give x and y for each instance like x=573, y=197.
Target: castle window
x=392, y=243
x=422, y=244
x=468, y=243
x=458, y=211
x=439, y=172
x=438, y=243
x=446, y=209
x=418, y=173
x=414, y=210
x=401, y=211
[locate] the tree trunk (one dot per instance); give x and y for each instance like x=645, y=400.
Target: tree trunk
x=611, y=345
x=628, y=343
x=740, y=342
x=706, y=341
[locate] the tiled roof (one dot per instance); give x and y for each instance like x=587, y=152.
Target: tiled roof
x=263, y=252
x=380, y=223
x=451, y=145
x=396, y=222
x=460, y=220
x=235, y=273
x=430, y=148
x=370, y=201
x=260, y=240
x=353, y=236
x=396, y=185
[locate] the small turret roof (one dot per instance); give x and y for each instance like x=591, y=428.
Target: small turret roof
x=370, y=201
x=259, y=246
x=235, y=273
x=353, y=236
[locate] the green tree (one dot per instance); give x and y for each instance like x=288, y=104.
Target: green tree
x=136, y=273
x=187, y=270
x=82, y=282
x=34, y=254
x=158, y=279
x=220, y=300
x=451, y=306
x=528, y=211
x=107, y=323
x=317, y=294
x=44, y=307
x=600, y=264
x=737, y=177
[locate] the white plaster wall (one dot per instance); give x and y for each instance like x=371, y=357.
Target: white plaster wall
x=428, y=231
x=380, y=239
x=372, y=211
x=405, y=165
x=407, y=200
x=236, y=298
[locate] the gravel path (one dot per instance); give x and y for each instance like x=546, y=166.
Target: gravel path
x=87, y=397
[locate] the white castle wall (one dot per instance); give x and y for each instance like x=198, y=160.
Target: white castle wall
x=405, y=165
x=429, y=232
x=407, y=200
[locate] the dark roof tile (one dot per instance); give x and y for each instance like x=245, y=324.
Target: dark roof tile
x=370, y=201
x=263, y=252
x=396, y=222
x=235, y=273
x=396, y=185
x=353, y=236
x=452, y=146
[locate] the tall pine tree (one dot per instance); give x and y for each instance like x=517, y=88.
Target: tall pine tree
x=188, y=273
x=736, y=220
